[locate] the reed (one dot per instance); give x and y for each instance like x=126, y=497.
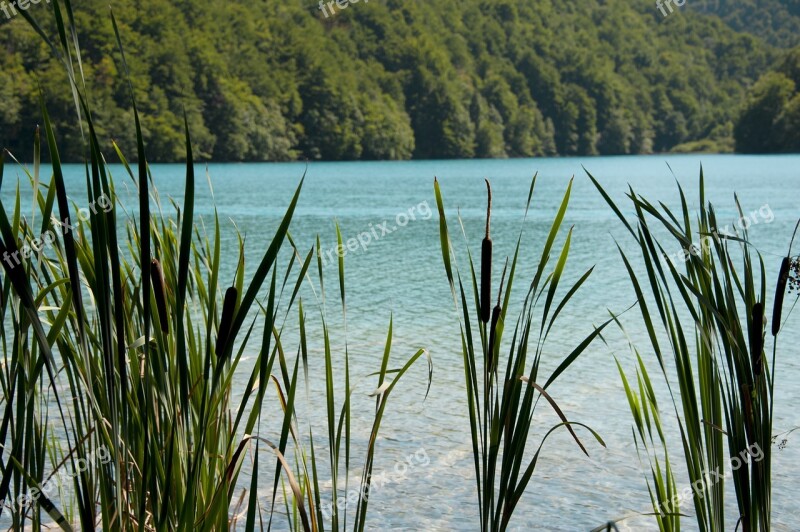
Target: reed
x=501, y=405
x=711, y=311
x=338, y=444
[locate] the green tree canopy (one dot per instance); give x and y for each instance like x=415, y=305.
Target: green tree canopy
x=394, y=79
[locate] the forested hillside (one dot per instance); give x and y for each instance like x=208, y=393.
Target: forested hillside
x=770, y=121
x=394, y=79
x=776, y=21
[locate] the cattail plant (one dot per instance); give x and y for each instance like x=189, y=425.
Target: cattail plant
x=486, y=262
x=724, y=404
x=501, y=407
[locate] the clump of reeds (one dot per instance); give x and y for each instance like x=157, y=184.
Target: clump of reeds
x=501, y=404
x=338, y=443
x=109, y=349
x=726, y=387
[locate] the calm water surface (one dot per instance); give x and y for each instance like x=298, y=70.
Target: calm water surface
x=425, y=448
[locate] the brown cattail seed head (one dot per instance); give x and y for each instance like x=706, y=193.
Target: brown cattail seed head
x=757, y=337
x=157, y=278
x=225, y=322
x=495, y=318
x=780, y=290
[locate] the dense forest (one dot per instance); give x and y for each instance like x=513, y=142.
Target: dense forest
x=776, y=21
x=396, y=79
x=770, y=121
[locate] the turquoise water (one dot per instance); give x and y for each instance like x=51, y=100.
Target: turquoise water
x=399, y=272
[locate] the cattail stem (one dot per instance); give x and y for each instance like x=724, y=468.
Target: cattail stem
x=794, y=234
x=488, y=207
x=486, y=263
x=157, y=278
x=225, y=322
x=780, y=290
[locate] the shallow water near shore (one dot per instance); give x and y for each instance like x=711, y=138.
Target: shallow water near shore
x=396, y=270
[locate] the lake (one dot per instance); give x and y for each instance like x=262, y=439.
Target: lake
x=399, y=273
